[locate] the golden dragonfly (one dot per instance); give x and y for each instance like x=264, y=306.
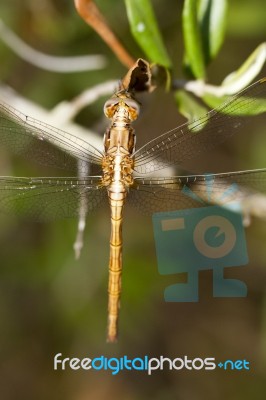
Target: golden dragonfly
x=119, y=172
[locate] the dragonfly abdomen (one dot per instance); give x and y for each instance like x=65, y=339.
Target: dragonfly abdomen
x=116, y=201
x=117, y=192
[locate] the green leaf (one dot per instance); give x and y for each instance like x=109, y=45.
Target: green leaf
x=204, y=24
x=258, y=106
x=160, y=76
x=244, y=102
x=212, y=15
x=239, y=79
x=194, y=56
x=145, y=30
x=188, y=106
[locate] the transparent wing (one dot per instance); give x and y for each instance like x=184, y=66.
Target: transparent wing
x=180, y=192
x=43, y=199
x=45, y=144
x=186, y=141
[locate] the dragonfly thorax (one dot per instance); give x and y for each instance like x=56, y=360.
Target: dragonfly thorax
x=119, y=144
x=117, y=171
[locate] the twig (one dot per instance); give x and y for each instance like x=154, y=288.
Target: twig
x=90, y=13
x=68, y=110
x=9, y=96
x=200, y=88
x=83, y=210
x=47, y=62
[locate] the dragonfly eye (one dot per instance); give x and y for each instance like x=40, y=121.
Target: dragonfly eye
x=110, y=107
x=133, y=108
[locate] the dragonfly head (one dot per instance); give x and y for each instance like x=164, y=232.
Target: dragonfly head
x=121, y=103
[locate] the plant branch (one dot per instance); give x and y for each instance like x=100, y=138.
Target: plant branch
x=90, y=13
x=48, y=62
x=9, y=96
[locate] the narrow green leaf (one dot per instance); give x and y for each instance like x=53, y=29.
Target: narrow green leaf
x=145, y=30
x=243, y=103
x=194, y=56
x=204, y=24
x=160, y=76
x=188, y=106
x=212, y=15
x=258, y=106
x=239, y=79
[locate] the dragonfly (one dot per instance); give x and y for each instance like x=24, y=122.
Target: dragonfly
x=120, y=173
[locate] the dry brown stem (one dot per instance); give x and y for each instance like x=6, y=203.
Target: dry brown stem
x=90, y=13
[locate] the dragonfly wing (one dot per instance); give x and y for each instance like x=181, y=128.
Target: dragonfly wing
x=186, y=141
x=43, y=199
x=181, y=192
x=44, y=143
x=159, y=195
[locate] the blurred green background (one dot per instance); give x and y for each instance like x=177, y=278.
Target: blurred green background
x=51, y=303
